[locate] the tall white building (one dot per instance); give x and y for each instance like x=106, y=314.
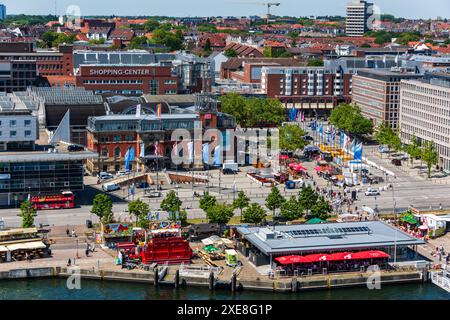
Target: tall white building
x=425, y=113
x=2, y=12
x=358, y=15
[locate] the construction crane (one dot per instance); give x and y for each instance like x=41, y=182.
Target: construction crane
x=266, y=4
x=270, y=5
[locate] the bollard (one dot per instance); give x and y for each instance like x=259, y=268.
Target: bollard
x=294, y=285
x=156, y=276
x=177, y=279
x=233, y=283
x=211, y=281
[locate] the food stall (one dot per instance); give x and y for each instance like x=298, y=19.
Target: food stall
x=115, y=233
x=20, y=244
x=231, y=258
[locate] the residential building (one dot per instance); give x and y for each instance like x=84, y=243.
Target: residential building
x=377, y=93
x=425, y=113
x=358, y=15
x=17, y=75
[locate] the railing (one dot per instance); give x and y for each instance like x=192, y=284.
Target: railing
x=441, y=279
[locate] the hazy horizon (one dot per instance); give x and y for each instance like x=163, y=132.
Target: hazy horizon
x=205, y=8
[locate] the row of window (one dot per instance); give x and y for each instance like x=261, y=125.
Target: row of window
x=13, y=123
x=113, y=82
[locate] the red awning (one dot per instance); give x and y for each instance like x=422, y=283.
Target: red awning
x=319, y=257
x=291, y=259
x=340, y=256
x=372, y=254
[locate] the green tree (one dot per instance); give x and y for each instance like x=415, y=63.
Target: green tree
x=274, y=200
x=321, y=209
x=102, y=208
x=291, y=137
x=207, y=201
x=174, y=41
x=220, y=213
x=151, y=25
x=254, y=214
x=293, y=36
x=429, y=155
x=171, y=203
x=207, y=46
x=315, y=63
x=138, y=42
x=414, y=151
x=241, y=202
x=349, y=118
x=307, y=198
x=291, y=209
x=251, y=112
x=27, y=212
x=230, y=53
x=139, y=209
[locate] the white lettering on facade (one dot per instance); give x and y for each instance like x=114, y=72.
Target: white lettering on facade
x=119, y=72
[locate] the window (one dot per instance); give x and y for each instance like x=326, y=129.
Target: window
x=117, y=152
x=12, y=123
x=13, y=134
x=104, y=152
x=27, y=133
x=117, y=138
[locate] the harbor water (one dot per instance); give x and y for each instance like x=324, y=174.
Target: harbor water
x=56, y=289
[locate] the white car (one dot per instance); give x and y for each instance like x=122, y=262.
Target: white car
x=372, y=192
x=105, y=176
x=122, y=173
x=108, y=187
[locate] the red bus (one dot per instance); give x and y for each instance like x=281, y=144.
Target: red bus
x=65, y=200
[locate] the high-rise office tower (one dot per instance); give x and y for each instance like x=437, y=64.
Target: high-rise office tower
x=2, y=12
x=358, y=16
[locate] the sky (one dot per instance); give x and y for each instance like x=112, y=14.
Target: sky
x=192, y=8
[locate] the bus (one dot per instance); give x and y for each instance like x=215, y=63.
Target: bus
x=64, y=200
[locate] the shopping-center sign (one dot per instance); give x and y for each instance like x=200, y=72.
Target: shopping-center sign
x=119, y=72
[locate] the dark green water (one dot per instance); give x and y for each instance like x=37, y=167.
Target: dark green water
x=55, y=289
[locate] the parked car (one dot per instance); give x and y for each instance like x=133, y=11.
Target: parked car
x=105, y=176
x=122, y=173
x=396, y=162
x=228, y=171
x=372, y=192
x=108, y=187
x=74, y=148
x=308, y=138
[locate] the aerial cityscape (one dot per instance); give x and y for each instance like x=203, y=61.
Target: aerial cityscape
x=229, y=150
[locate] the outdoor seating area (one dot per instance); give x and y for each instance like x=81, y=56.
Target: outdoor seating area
x=330, y=263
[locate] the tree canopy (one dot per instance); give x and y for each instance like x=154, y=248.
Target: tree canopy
x=102, y=208
x=291, y=137
x=254, y=214
x=315, y=63
x=27, y=212
x=291, y=209
x=171, y=202
x=274, y=200
x=173, y=41
x=251, y=112
x=52, y=39
x=386, y=136
x=220, y=213
x=242, y=201
x=429, y=155
x=207, y=201
x=349, y=118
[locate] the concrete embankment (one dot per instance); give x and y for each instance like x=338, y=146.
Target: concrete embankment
x=273, y=285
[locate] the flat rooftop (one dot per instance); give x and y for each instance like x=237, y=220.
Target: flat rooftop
x=327, y=236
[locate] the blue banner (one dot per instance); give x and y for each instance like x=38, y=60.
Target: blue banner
x=358, y=151
x=217, y=156
x=206, y=153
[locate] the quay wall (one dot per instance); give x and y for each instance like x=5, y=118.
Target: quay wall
x=273, y=285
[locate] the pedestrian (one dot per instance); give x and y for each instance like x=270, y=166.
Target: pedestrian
x=69, y=262
x=87, y=253
x=68, y=232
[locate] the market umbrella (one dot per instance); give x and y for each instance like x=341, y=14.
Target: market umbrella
x=372, y=254
x=423, y=227
x=210, y=248
x=314, y=221
x=292, y=259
